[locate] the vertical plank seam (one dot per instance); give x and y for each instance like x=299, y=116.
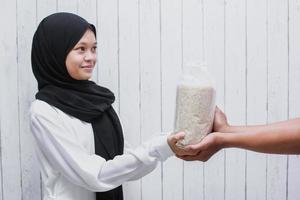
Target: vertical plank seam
x=36, y=21
x=224, y=88
x=96, y=15
x=182, y=49
x=97, y=28
x=36, y=24
x=288, y=90
x=267, y=83
x=18, y=100
x=246, y=91
x=77, y=6
x=202, y=9
x=1, y=167
x=161, y=96
x=1, y=164
x=118, y=53
x=203, y=60
x=140, y=86
x=36, y=12
x=1, y=171
x=287, y=178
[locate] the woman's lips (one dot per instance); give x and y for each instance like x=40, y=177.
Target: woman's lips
x=88, y=68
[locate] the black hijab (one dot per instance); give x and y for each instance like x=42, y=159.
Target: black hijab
x=55, y=36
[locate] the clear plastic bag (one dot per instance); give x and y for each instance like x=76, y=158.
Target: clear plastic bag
x=195, y=104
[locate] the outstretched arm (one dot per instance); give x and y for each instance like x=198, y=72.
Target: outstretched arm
x=277, y=138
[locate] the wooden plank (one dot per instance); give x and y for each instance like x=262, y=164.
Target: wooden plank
x=171, y=63
x=88, y=10
x=130, y=81
x=31, y=184
x=192, y=30
x=235, y=93
x=149, y=29
x=256, y=92
x=45, y=8
x=293, y=177
x=277, y=91
x=108, y=46
x=294, y=96
x=1, y=193
x=10, y=146
x=193, y=45
x=214, y=48
x=67, y=6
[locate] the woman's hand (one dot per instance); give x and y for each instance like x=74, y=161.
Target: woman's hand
x=220, y=121
x=173, y=139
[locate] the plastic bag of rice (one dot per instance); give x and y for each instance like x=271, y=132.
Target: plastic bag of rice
x=195, y=104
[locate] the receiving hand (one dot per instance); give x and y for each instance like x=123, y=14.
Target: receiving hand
x=220, y=121
x=173, y=139
x=210, y=145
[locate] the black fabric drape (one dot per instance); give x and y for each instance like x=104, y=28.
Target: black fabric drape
x=55, y=36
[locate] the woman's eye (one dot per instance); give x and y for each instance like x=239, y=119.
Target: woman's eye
x=94, y=48
x=80, y=49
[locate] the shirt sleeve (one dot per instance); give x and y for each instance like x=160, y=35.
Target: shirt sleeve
x=91, y=171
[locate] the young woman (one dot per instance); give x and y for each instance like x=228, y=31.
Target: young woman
x=78, y=134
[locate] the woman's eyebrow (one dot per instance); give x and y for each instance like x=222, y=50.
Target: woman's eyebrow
x=85, y=43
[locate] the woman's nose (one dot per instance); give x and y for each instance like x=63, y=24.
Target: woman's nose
x=90, y=56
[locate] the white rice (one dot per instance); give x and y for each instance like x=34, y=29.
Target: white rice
x=195, y=106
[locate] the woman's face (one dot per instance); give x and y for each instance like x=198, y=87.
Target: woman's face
x=81, y=60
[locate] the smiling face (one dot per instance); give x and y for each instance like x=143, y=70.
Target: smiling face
x=81, y=60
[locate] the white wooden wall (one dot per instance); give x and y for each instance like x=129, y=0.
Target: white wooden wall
x=252, y=47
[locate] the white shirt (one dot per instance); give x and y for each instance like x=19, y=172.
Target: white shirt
x=70, y=168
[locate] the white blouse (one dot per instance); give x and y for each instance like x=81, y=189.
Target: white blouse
x=70, y=168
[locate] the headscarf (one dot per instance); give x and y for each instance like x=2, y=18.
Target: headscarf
x=54, y=38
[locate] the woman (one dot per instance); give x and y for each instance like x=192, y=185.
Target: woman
x=78, y=133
